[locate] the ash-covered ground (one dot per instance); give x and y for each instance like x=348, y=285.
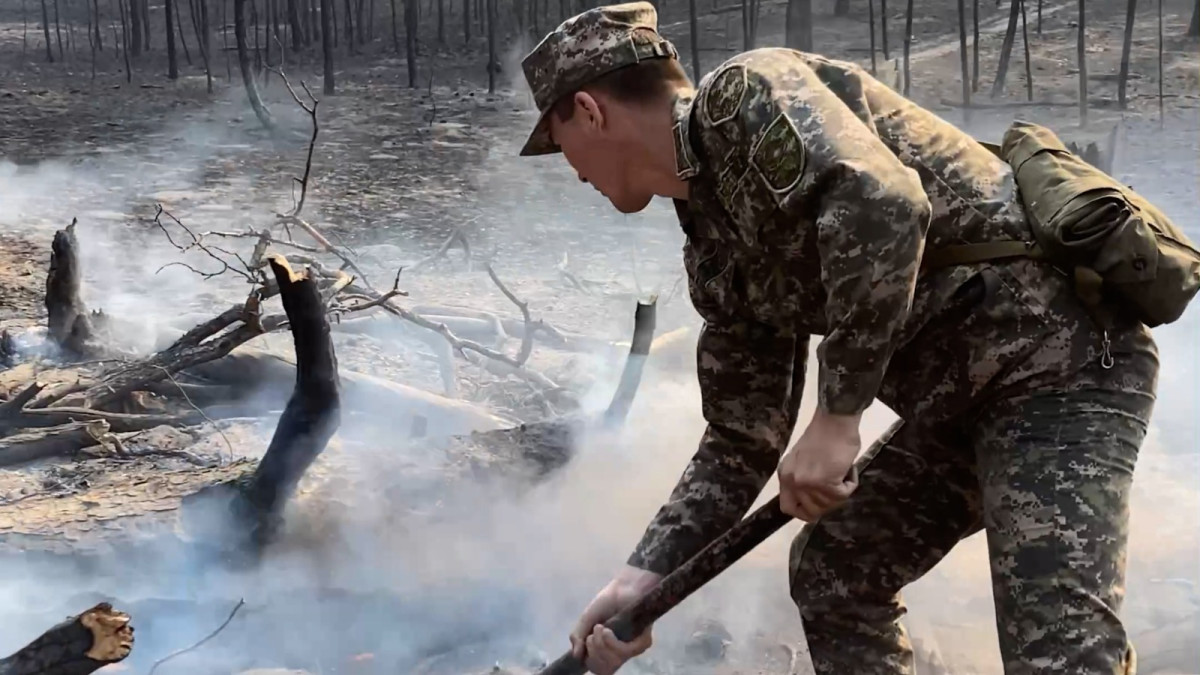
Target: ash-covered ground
x=358, y=584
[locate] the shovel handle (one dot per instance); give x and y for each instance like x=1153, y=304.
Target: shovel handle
x=686, y=579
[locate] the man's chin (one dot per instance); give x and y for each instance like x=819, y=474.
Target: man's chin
x=633, y=205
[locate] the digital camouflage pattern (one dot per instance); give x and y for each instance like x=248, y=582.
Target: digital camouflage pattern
x=813, y=192
x=583, y=48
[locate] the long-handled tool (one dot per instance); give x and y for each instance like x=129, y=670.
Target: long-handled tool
x=685, y=580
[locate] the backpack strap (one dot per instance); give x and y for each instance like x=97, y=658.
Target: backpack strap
x=970, y=254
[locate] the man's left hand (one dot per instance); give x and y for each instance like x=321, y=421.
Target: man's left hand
x=813, y=474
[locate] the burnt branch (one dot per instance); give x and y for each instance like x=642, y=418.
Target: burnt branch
x=78, y=646
x=168, y=657
x=197, y=243
x=527, y=338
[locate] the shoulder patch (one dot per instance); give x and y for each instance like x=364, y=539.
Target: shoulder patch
x=779, y=156
x=725, y=94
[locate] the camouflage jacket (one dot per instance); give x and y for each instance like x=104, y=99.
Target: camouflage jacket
x=813, y=191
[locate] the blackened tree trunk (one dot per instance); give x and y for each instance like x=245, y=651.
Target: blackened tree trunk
x=144, y=8
x=908, y=19
x=466, y=21
x=46, y=32
x=871, y=29
x=841, y=8
x=1126, y=46
x=1081, y=54
x=58, y=31
x=1194, y=28
x=493, y=64
x=96, y=25
x=962, y=49
x=349, y=26
x=1010, y=35
x=172, y=60
x=695, y=38
x=441, y=13
x=883, y=31
x=1028, y=59
x=410, y=40
x=327, y=45
x=187, y=55
x=975, y=46
x=298, y=37
x=122, y=9
x=243, y=54
x=395, y=28
x=797, y=31
x=135, y=22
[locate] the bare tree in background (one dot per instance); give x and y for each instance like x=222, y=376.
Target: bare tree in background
x=327, y=45
x=841, y=8
x=1081, y=53
x=1194, y=28
x=908, y=18
x=493, y=65
x=695, y=31
x=798, y=28
x=1010, y=35
x=883, y=31
x=58, y=31
x=466, y=6
x=96, y=24
x=144, y=9
x=1126, y=46
x=410, y=40
x=135, y=21
x=1028, y=59
x=871, y=30
x=172, y=60
x=962, y=50
x=187, y=55
x=243, y=56
x=975, y=46
x=46, y=31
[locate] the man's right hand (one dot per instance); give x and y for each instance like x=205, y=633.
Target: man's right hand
x=603, y=651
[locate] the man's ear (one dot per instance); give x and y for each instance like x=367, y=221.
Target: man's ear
x=588, y=105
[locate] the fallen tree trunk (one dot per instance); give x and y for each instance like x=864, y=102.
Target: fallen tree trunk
x=77, y=646
x=68, y=322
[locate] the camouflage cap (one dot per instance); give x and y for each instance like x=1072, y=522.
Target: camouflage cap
x=583, y=48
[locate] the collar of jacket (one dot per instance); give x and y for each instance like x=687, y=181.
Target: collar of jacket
x=687, y=166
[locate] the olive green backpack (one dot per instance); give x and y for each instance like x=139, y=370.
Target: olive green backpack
x=1115, y=244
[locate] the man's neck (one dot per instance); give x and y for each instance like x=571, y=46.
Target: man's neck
x=657, y=140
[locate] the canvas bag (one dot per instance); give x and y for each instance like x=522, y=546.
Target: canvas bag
x=1117, y=246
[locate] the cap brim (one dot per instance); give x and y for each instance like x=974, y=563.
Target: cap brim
x=539, y=142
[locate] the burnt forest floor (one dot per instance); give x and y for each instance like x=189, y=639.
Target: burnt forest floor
x=397, y=170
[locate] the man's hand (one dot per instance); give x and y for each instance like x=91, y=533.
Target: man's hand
x=813, y=474
x=604, y=652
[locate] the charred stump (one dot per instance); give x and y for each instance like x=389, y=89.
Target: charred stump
x=77, y=646
x=309, y=420
x=68, y=322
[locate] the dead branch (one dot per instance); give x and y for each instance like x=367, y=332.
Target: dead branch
x=57, y=441
x=77, y=646
x=456, y=236
x=247, y=272
x=527, y=338
x=13, y=406
x=168, y=657
x=644, y=319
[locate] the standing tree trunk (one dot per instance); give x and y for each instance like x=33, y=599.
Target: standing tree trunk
x=144, y=9
x=493, y=65
x=975, y=46
x=172, y=60
x=358, y=19
x=135, y=22
x=797, y=26
x=1081, y=54
x=58, y=31
x=348, y=36
x=1126, y=45
x=1194, y=27
x=71, y=44
x=395, y=28
x=410, y=40
x=243, y=54
x=187, y=55
x=466, y=21
x=908, y=18
x=1028, y=59
x=24, y=29
x=1010, y=35
x=695, y=37
x=962, y=50
x=841, y=8
x=1161, y=118
x=441, y=12
x=327, y=45
x=122, y=8
x=96, y=24
x=46, y=32
x=883, y=31
x=871, y=28
x=299, y=37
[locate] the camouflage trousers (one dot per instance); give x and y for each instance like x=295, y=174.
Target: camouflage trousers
x=1046, y=473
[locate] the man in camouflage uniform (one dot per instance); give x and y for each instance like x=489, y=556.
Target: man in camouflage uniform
x=809, y=193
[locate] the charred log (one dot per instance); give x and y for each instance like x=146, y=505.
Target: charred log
x=69, y=324
x=77, y=646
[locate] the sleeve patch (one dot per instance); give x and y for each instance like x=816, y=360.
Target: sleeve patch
x=725, y=94
x=780, y=156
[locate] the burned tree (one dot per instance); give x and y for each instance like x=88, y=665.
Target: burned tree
x=1126, y=46
x=243, y=56
x=69, y=324
x=172, y=59
x=1010, y=35
x=78, y=646
x=798, y=28
x=46, y=31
